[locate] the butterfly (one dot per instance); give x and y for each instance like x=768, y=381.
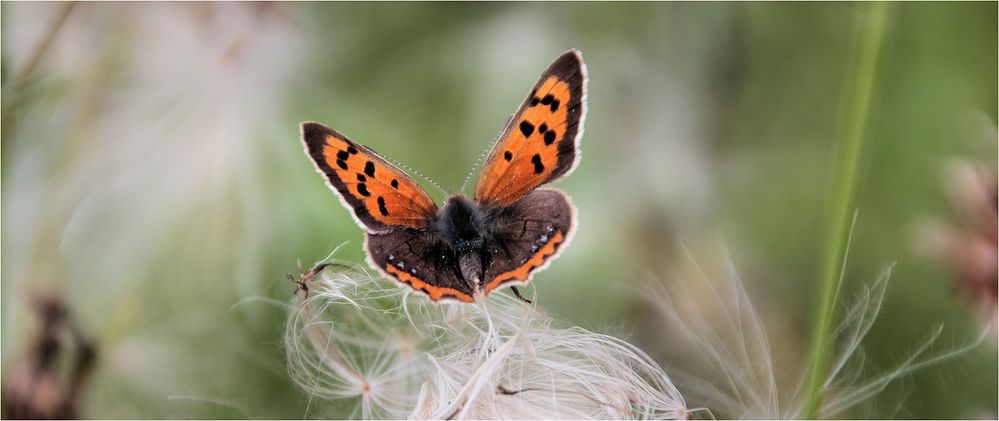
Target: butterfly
x=469, y=247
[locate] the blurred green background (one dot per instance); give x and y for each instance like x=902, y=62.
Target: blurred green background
x=153, y=176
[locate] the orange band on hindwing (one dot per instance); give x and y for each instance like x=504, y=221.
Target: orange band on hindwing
x=523, y=271
x=435, y=292
x=420, y=245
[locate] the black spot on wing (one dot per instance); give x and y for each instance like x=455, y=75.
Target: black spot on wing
x=342, y=155
x=342, y=164
x=361, y=178
x=381, y=206
x=526, y=128
x=363, y=190
x=549, y=137
x=395, y=183
x=507, y=155
x=539, y=167
x=369, y=169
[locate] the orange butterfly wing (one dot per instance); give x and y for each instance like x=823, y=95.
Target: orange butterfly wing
x=381, y=196
x=541, y=141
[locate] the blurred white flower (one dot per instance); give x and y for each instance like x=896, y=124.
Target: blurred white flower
x=351, y=336
x=729, y=367
x=141, y=119
x=137, y=154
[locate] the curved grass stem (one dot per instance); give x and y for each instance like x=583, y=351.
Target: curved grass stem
x=853, y=124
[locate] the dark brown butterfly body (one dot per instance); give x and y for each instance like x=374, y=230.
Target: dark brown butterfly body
x=475, y=243
x=502, y=236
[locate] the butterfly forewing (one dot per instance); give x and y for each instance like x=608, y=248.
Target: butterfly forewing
x=381, y=196
x=541, y=141
x=519, y=229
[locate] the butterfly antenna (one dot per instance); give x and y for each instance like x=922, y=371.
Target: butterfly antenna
x=485, y=152
x=420, y=174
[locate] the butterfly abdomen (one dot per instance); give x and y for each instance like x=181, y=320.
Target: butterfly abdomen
x=463, y=227
x=509, y=231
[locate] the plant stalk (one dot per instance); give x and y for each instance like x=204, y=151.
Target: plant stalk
x=853, y=124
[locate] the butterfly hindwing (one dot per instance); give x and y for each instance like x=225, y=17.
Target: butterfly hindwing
x=381, y=196
x=541, y=141
x=420, y=260
x=528, y=234
x=511, y=230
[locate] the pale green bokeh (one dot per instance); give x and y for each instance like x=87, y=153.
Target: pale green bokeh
x=168, y=202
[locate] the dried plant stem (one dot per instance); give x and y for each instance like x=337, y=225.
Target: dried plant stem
x=854, y=122
x=36, y=54
x=20, y=79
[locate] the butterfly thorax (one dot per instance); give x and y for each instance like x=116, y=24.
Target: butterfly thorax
x=462, y=224
x=468, y=247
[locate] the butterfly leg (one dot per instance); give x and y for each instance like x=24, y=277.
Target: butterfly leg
x=521, y=297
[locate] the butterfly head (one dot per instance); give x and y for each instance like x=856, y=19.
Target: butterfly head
x=510, y=228
x=462, y=224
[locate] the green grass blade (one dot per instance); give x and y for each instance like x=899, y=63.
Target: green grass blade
x=853, y=123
